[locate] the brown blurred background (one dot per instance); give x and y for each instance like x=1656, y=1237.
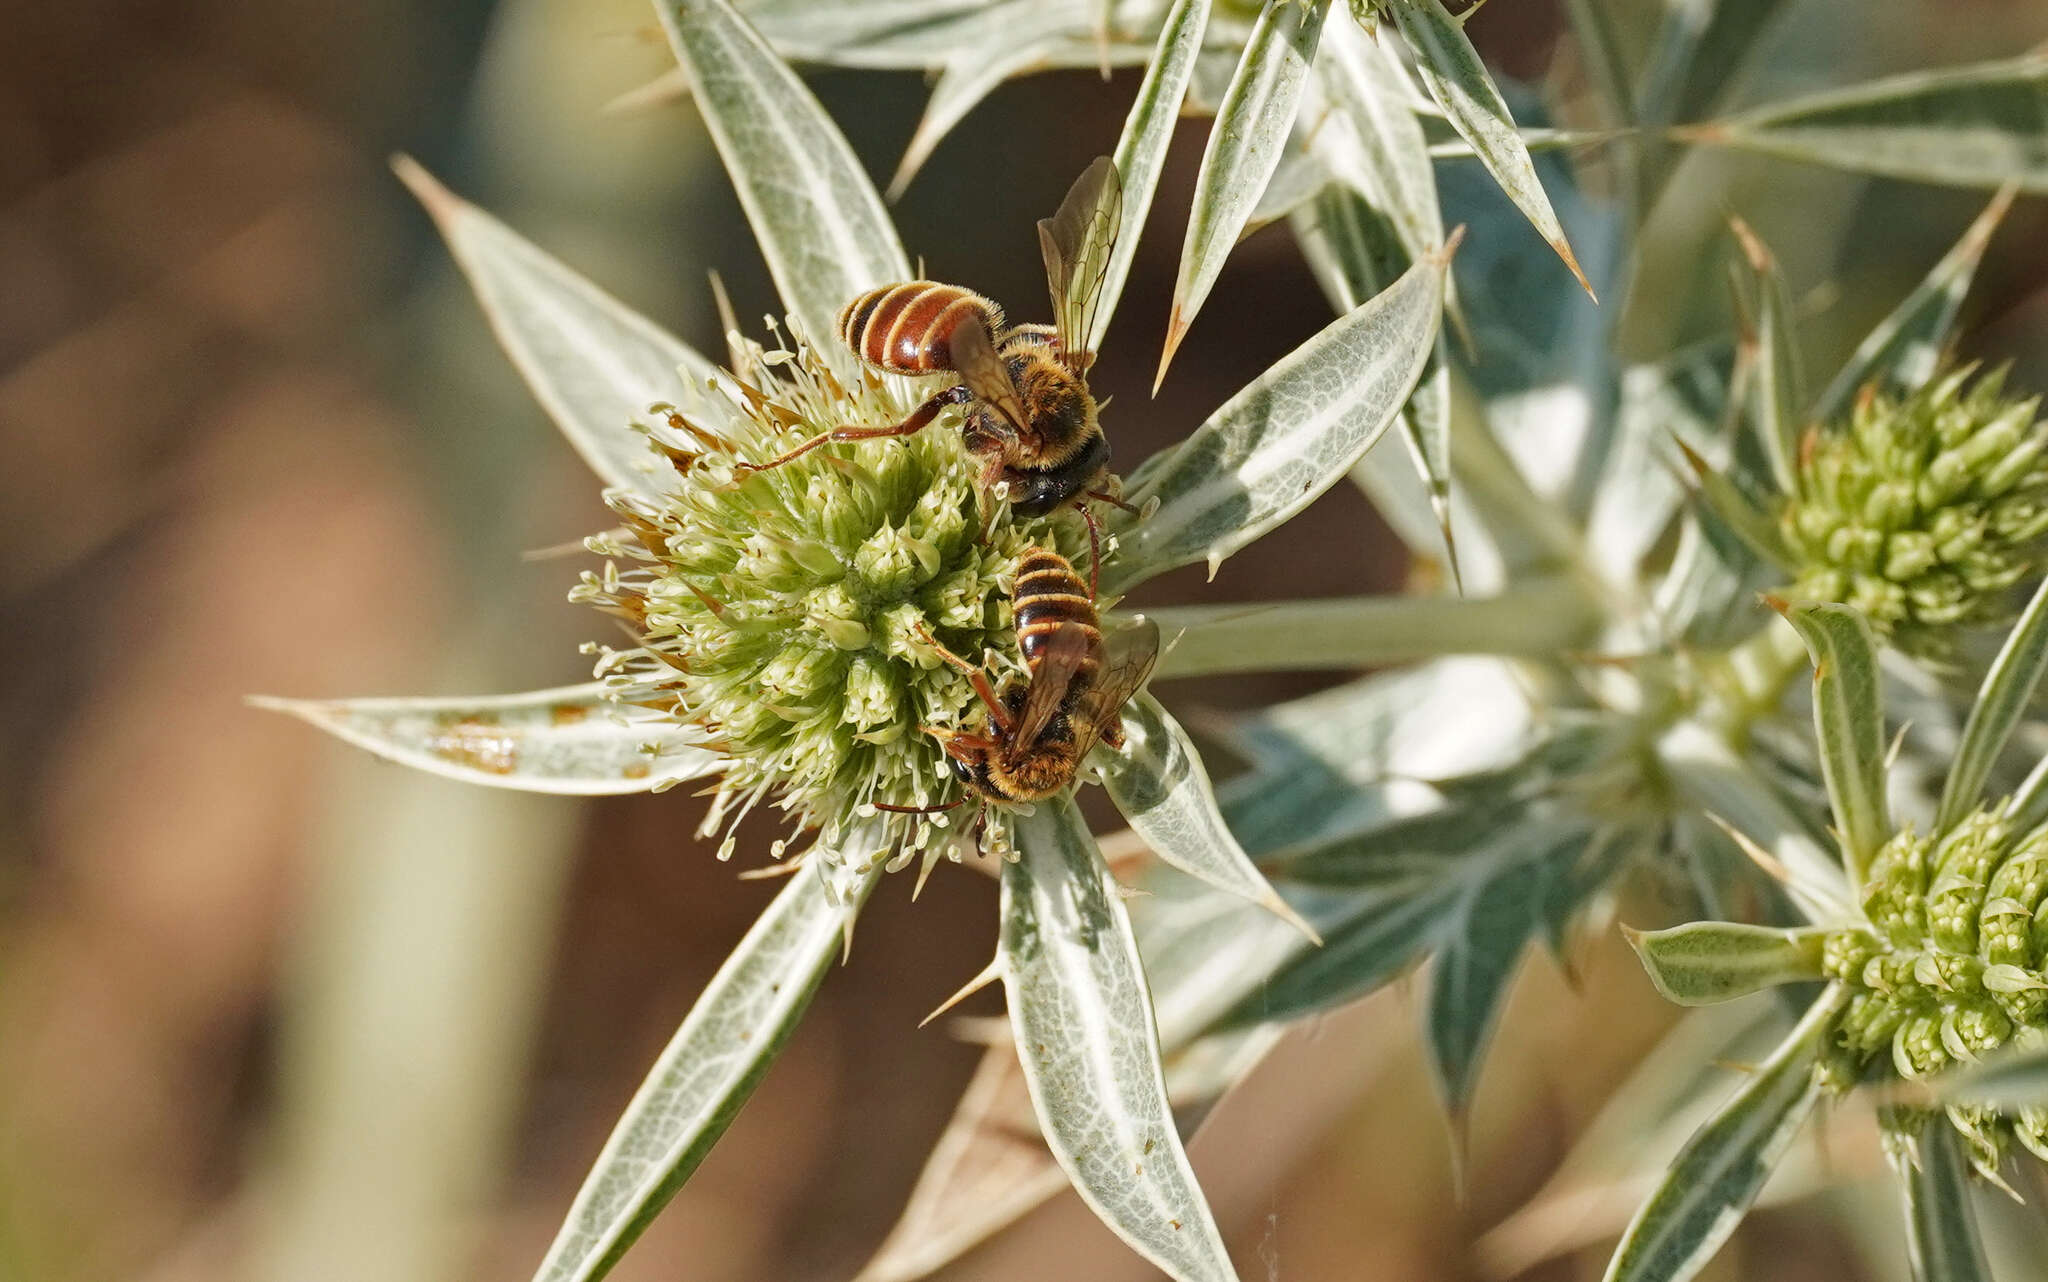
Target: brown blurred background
x=269, y=1010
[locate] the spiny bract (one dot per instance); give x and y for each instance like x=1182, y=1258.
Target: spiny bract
x=790, y=612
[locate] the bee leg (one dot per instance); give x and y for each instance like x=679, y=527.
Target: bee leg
x=977, y=676
x=916, y=421
x=1111, y=499
x=1094, y=548
x=917, y=810
x=980, y=831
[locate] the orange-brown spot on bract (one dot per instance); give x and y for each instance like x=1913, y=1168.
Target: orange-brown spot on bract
x=567, y=714
x=479, y=743
x=638, y=770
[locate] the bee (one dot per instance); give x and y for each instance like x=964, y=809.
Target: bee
x=1030, y=416
x=1038, y=729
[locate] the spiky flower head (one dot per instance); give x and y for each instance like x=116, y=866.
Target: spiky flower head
x=791, y=612
x=1955, y=966
x=1924, y=512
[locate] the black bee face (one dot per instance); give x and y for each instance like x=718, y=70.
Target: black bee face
x=1038, y=491
x=962, y=772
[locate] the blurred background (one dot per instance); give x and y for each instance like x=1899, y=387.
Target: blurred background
x=270, y=1010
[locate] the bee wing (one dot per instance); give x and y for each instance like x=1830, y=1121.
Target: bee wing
x=1076, y=242
x=985, y=372
x=1051, y=680
x=1127, y=659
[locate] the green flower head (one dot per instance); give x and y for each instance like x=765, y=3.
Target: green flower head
x=1956, y=967
x=1924, y=512
x=790, y=612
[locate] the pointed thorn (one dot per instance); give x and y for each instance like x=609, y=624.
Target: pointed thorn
x=1458, y=1117
x=846, y=941
x=1776, y=602
x=1699, y=465
x=1441, y=504
x=1564, y=251
x=441, y=204
x=303, y=709
x=1709, y=133
x=988, y=975
x=906, y=169
x=1753, y=247
x=1176, y=330
x=670, y=86
x=1891, y=756
x=1987, y=222
x=1762, y=858
x=1280, y=908
x=1444, y=253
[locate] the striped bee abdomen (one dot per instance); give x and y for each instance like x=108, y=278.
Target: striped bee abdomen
x=1048, y=594
x=906, y=327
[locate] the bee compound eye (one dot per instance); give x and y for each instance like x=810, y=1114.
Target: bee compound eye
x=961, y=770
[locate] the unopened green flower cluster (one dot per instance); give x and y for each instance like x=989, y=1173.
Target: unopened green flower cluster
x=1953, y=967
x=790, y=612
x=1924, y=512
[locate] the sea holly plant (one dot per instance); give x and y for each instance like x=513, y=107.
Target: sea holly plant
x=1937, y=965
x=786, y=625
x=1645, y=702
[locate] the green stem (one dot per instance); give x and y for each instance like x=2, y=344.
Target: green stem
x=1754, y=677
x=1539, y=616
x=1530, y=529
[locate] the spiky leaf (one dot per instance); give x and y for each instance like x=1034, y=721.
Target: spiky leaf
x=1458, y=80
x=2002, y=701
x=1705, y=1192
x=1902, y=353
x=1941, y=1230
x=1085, y=1034
x=1158, y=781
x=1283, y=440
x=1981, y=125
x=1141, y=150
x=818, y=220
x=1244, y=148
x=567, y=740
x=592, y=362
x=712, y=1065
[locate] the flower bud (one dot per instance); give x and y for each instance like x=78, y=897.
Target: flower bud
x=1924, y=511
